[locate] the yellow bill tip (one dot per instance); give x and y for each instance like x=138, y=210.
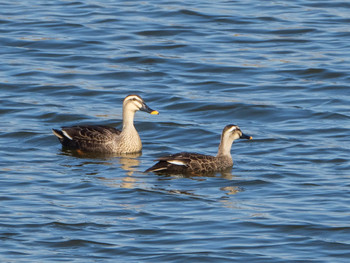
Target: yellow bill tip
x=154, y=112
x=250, y=137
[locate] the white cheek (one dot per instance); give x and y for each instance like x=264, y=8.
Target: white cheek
x=138, y=104
x=235, y=136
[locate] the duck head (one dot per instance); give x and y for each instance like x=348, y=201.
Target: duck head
x=233, y=132
x=135, y=102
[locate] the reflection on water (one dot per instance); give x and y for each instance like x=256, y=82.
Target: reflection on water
x=224, y=174
x=128, y=162
x=227, y=175
x=98, y=156
x=231, y=190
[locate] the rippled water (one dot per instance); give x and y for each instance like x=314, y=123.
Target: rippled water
x=278, y=69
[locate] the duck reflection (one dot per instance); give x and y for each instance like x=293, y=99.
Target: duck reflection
x=231, y=190
x=199, y=176
x=206, y=178
x=127, y=161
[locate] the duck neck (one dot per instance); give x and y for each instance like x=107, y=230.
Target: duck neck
x=224, y=147
x=128, y=121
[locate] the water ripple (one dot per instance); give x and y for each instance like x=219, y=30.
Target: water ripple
x=277, y=69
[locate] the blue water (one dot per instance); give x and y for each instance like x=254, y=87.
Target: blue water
x=278, y=69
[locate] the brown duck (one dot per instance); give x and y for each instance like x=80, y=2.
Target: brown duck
x=195, y=163
x=104, y=139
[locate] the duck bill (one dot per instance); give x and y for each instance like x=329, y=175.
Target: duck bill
x=147, y=109
x=244, y=136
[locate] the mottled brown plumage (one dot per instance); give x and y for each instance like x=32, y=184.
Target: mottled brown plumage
x=195, y=163
x=90, y=138
x=104, y=139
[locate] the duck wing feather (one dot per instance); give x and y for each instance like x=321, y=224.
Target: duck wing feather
x=96, y=138
x=96, y=133
x=184, y=163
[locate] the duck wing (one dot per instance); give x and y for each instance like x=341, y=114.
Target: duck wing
x=89, y=138
x=183, y=163
x=96, y=133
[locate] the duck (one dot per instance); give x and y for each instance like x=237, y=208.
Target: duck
x=105, y=139
x=195, y=163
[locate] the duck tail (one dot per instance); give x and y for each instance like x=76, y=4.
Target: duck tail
x=160, y=166
x=58, y=133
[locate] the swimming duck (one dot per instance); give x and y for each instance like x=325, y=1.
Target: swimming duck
x=104, y=139
x=195, y=163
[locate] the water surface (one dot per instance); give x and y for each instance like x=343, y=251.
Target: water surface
x=277, y=69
